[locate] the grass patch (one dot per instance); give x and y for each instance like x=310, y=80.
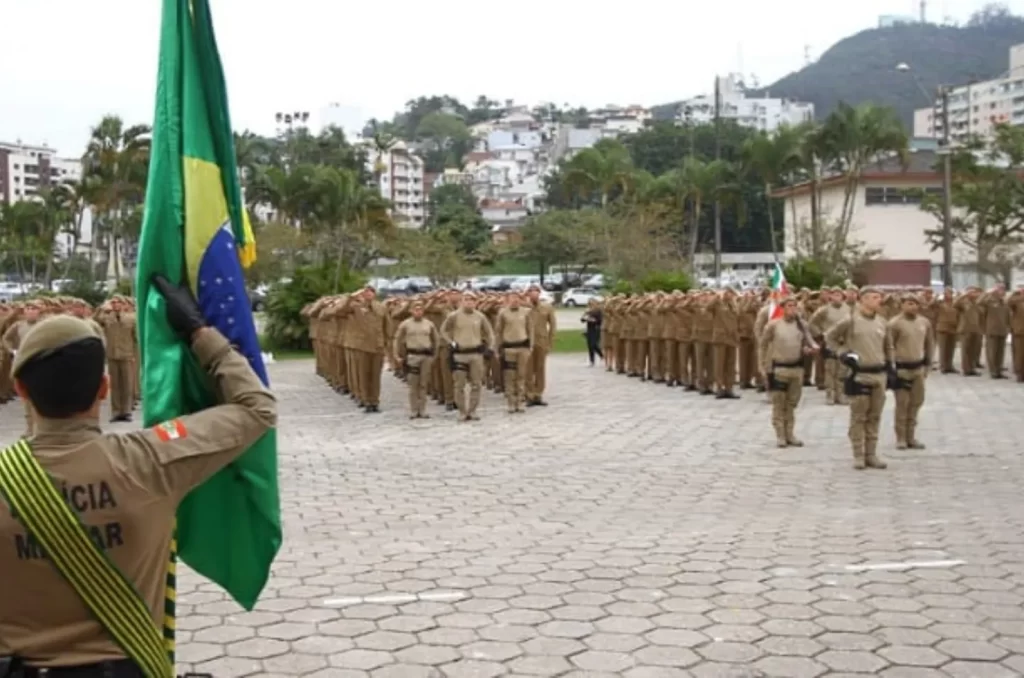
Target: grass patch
x=292, y=355
x=570, y=341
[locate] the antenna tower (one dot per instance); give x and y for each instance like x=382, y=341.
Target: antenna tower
x=924, y=14
x=807, y=55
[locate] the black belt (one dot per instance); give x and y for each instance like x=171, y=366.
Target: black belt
x=418, y=351
x=798, y=363
x=871, y=369
x=912, y=365
x=525, y=343
x=463, y=351
x=121, y=668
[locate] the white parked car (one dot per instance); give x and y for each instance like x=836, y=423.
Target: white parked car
x=579, y=296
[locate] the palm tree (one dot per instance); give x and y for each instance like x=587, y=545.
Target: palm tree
x=603, y=170
x=115, y=163
x=383, y=141
x=853, y=138
x=697, y=181
x=771, y=158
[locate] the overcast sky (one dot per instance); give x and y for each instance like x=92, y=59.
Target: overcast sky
x=66, y=63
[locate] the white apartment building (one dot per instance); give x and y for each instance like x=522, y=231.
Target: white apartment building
x=25, y=169
x=400, y=175
x=763, y=113
x=976, y=108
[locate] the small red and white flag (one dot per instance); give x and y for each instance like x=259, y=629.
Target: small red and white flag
x=170, y=430
x=780, y=290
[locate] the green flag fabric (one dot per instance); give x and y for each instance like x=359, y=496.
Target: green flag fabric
x=229, y=528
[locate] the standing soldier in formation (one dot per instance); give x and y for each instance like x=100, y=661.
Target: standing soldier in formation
x=825, y=318
x=469, y=338
x=670, y=338
x=655, y=335
x=545, y=327
x=865, y=336
x=996, y=321
x=747, y=349
x=814, y=363
x=1016, y=304
x=12, y=339
x=118, y=324
x=970, y=331
x=514, y=329
x=683, y=306
x=912, y=344
x=373, y=322
x=782, y=349
x=703, y=342
x=947, y=320
x=415, y=346
x=439, y=306
x=725, y=338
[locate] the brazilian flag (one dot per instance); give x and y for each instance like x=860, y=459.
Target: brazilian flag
x=195, y=230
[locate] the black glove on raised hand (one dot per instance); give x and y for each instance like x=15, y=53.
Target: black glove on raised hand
x=183, y=313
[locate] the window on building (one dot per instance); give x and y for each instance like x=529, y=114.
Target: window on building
x=889, y=195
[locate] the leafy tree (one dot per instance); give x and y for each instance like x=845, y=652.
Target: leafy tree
x=454, y=216
x=448, y=140
x=286, y=329
x=988, y=202
x=435, y=255
x=566, y=238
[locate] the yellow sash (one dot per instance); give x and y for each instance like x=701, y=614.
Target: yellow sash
x=111, y=598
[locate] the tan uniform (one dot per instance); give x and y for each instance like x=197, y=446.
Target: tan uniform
x=544, y=328
x=867, y=336
x=814, y=363
x=996, y=323
x=970, y=330
x=759, y=324
x=655, y=335
x=703, y=356
x=912, y=342
x=373, y=320
x=1016, y=304
x=823, y=320
x=126, y=489
x=468, y=335
x=441, y=383
x=120, y=333
x=12, y=339
x=514, y=329
x=746, y=356
x=947, y=319
x=415, y=346
x=782, y=362
x=683, y=310
x=725, y=335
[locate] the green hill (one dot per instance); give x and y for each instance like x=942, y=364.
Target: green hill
x=862, y=67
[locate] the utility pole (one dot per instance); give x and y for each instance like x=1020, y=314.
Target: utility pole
x=718, y=202
x=947, y=193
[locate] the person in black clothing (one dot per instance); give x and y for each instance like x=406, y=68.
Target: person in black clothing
x=593, y=318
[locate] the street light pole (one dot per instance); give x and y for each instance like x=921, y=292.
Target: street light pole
x=718, y=202
x=947, y=193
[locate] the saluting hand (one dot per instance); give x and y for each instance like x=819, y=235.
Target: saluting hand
x=183, y=313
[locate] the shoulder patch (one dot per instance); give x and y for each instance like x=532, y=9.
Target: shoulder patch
x=170, y=430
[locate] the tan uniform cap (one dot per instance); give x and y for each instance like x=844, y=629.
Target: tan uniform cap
x=51, y=334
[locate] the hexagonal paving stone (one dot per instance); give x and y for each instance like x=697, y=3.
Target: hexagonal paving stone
x=609, y=662
x=491, y=651
x=662, y=655
x=852, y=661
x=789, y=667
x=913, y=655
x=386, y=641
x=257, y=648
x=738, y=653
x=362, y=660
x=972, y=650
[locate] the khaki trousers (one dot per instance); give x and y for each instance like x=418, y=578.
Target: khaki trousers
x=995, y=353
x=1018, y=356
x=970, y=351
x=684, y=363
x=908, y=404
x=865, y=418
x=670, y=359
x=371, y=365
x=947, y=347
x=469, y=371
x=516, y=368
x=122, y=382
x=537, y=373
x=621, y=354
x=725, y=366
x=747, y=359
x=785, y=402
x=417, y=374
x=702, y=364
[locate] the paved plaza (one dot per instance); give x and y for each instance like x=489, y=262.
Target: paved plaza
x=629, y=530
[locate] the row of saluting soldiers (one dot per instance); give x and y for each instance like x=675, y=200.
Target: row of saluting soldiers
x=114, y=321
x=441, y=343
x=703, y=340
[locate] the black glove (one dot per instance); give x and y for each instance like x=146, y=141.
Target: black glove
x=183, y=313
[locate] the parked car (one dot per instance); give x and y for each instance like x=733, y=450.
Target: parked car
x=579, y=296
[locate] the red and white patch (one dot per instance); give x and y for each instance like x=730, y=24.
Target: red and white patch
x=170, y=430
